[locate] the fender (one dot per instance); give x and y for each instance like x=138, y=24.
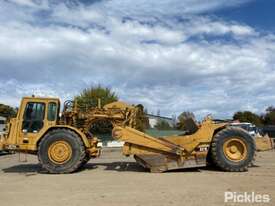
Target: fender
x=77, y=131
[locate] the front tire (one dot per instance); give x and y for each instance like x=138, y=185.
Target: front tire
x=233, y=150
x=61, y=151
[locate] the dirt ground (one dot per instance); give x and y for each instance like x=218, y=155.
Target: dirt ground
x=116, y=180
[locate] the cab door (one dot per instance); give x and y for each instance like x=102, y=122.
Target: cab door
x=32, y=124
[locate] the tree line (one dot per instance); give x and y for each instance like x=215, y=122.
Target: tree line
x=267, y=118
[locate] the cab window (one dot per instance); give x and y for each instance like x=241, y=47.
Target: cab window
x=33, y=117
x=52, y=111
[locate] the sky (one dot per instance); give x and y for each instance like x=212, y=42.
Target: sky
x=209, y=57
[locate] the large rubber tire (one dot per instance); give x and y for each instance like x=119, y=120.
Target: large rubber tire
x=75, y=145
x=219, y=157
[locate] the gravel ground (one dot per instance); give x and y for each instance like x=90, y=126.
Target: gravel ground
x=116, y=180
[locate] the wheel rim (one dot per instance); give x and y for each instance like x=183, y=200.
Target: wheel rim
x=60, y=152
x=235, y=149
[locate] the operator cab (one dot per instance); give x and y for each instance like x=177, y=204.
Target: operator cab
x=38, y=112
x=34, y=117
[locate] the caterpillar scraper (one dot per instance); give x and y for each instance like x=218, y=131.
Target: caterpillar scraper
x=64, y=144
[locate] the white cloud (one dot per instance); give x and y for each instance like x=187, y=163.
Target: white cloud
x=37, y=4
x=156, y=8
x=164, y=64
x=203, y=25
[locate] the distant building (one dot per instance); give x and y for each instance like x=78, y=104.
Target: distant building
x=2, y=124
x=153, y=119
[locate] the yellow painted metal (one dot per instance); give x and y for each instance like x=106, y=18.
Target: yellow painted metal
x=17, y=139
x=77, y=131
x=162, y=153
x=204, y=135
x=141, y=143
x=172, y=152
x=235, y=149
x=264, y=143
x=2, y=143
x=60, y=152
x=135, y=137
x=84, y=116
x=118, y=105
x=118, y=112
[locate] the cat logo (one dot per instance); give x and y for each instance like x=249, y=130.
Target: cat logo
x=203, y=149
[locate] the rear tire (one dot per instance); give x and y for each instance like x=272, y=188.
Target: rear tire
x=233, y=150
x=61, y=151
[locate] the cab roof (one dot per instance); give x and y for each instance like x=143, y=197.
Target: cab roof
x=42, y=98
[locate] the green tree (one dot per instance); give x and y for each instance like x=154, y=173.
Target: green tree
x=162, y=125
x=269, y=116
x=89, y=97
x=182, y=117
x=247, y=116
x=7, y=111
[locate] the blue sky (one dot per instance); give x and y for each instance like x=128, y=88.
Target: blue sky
x=258, y=14
x=210, y=57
